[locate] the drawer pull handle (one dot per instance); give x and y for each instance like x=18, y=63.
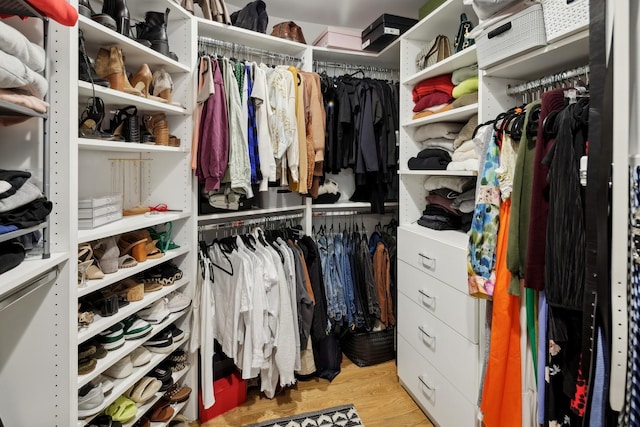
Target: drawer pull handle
x=428, y=261
x=427, y=296
x=424, y=383
x=427, y=334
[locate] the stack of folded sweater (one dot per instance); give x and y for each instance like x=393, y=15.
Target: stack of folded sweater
x=446, y=92
x=437, y=140
x=450, y=203
x=21, y=65
x=22, y=205
x=466, y=152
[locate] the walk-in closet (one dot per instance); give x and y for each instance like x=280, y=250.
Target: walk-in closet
x=339, y=213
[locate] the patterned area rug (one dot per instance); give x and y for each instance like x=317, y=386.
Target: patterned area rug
x=342, y=416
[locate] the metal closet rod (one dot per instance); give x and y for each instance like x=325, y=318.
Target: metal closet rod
x=251, y=221
x=372, y=68
x=241, y=48
x=548, y=80
x=343, y=213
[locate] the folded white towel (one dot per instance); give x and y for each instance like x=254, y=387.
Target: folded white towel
x=16, y=44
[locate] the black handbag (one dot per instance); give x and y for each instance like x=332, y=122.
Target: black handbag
x=462, y=41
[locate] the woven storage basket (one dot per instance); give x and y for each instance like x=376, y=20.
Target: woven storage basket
x=512, y=36
x=369, y=348
x=564, y=17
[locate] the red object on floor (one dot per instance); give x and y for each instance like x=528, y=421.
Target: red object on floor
x=229, y=391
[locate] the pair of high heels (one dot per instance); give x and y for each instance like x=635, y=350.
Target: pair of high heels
x=157, y=86
x=139, y=245
x=126, y=124
x=91, y=121
x=87, y=267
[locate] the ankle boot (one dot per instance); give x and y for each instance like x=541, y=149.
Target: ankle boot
x=119, y=11
x=110, y=65
x=86, y=72
x=154, y=29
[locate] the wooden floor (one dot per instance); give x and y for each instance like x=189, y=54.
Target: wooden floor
x=374, y=390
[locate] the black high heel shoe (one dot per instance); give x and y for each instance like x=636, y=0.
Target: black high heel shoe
x=126, y=124
x=91, y=121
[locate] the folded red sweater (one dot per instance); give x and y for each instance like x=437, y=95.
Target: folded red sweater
x=435, y=84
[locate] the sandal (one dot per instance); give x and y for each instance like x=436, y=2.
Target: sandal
x=86, y=263
x=123, y=409
x=127, y=261
x=144, y=390
x=153, y=252
x=91, y=121
x=126, y=124
x=161, y=412
x=177, y=394
x=130, y=244
x=85, y=317
x=130, y=289
x=86, y=366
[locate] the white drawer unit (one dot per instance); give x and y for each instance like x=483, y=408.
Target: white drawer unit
x=441, y=346
x=435, y=255
x=456, y=309
x=428, y=386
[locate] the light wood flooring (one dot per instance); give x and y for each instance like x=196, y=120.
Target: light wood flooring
x=374, y=390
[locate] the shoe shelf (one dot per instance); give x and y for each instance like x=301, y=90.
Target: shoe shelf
x=130, y=223
x=11, y=109
x=240, y=215
x=112, y=96
x=122, y=146
x=101, y=323
x=461, y=59
x=437, y=172
x=569, y=52
x=142, y=409
x=129, y=345
x=241, y=36
x=120, y=386
x=98, y=35
x=30, y=268
x=176, y=410
x=139, y=7
x=123, y=273
x=461, y=114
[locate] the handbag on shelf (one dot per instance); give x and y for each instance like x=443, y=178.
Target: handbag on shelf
x=462, y=41
x=434, y=52
x=289, y=30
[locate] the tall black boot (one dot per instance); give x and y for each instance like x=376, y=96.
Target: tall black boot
x=119, y=11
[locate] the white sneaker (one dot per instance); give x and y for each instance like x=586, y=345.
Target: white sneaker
x=156, y=312
x=92, y=402
x=178, y=302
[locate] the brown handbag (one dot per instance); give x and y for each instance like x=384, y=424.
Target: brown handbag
x=289, y=30
x=433, y=52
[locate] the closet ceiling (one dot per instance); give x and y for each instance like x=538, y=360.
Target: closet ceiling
x=342, y=13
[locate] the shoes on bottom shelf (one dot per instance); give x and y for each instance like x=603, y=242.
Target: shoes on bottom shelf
x=90, y=400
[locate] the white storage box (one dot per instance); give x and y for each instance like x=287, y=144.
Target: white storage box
x=96, y=201
x=339, y=38
x=97, y=221
x=85, y=213
x=564, y=17
x=519, y=33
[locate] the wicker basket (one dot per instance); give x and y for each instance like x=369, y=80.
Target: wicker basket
x=369, y=348
x=564, y=17
x=512, y=36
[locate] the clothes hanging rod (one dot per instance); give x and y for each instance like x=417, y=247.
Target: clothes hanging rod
x=548, y=80
x=250, y=221
x=344, y=213
x=241, y=48
x=347, y=66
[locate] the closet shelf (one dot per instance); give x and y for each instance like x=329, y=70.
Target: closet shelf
x=111, y=96
x=120, y=386
x=572, y=51
x=129, y=223
x=123, y=273
x=101, y=323
x=29, y=269
x=456, y=238
x=386, y=58
x=129, y=345
x=239, y=215
x=348, y=206
x=22, y=231
x=461, y=59
x=11, y=109
x=437, y=172
x=461, y=114
x=138, y=8
x=177, y=376
x=444, y=20
x=244, y=37
x=97, y=35
x=121, y=146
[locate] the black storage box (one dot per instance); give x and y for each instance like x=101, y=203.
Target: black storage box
x=384, y=30
x=369, y=348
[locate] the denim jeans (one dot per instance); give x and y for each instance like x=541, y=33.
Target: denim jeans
x=325, y=247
